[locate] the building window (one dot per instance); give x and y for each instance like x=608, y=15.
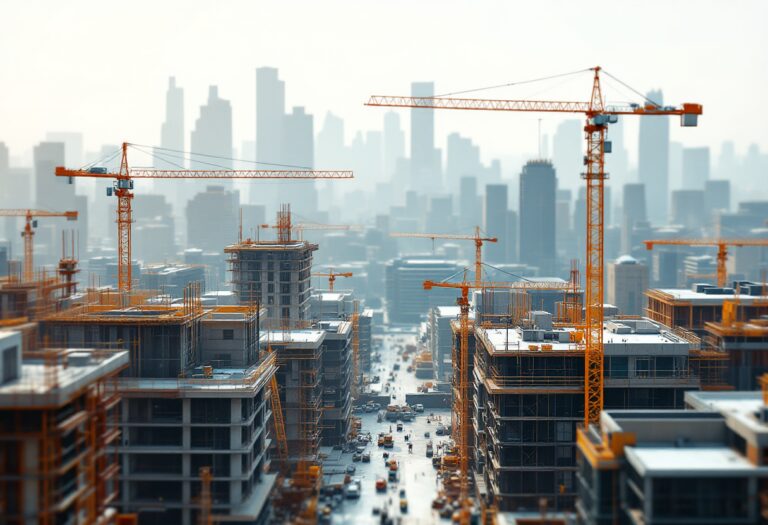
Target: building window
x=270, y=276
x=285, y=299
x=286, y=313
x=10, y=363
x=228, y=334
x=563, y=431
x=285, y=276
x=285, y=288
x=642, y=367
x=271, y=299
x=271, y=288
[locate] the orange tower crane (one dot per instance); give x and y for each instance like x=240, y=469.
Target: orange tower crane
x=122, y=188
x=722, y=250
x=479, y=240
x=332, y=276
x=29, y=232
x=598, y=115
x=461, y=401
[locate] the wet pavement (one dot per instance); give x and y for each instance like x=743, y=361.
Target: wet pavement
x=416, y=474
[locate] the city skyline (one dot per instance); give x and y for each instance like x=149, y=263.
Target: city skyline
x=128, y=110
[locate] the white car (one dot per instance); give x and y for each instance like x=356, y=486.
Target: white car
x=353, y=490
x=418, y=407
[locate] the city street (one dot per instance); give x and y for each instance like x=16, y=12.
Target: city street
x=416, y=474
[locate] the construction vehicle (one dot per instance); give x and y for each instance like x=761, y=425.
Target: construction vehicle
x=598, y=116
x=722, y=250
x=477, y=238
x=122, y=188
x=28, y=232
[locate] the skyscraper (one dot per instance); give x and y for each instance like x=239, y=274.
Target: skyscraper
x=172, y=130
x=298, y=133
x=270, y=116
x=568, y=153
x=172, y=138
x=393, y=143
x=538, y=188
x=212, y=219
x=425, y=164
x=627, y=282
x=52, y=192
x=462, y=158
x=634, y=211
x=496, y=222
x=212, y=134
x=653, y=162
x=695, y=168
x=470, y=204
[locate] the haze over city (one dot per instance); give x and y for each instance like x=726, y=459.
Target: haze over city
x=384, y=262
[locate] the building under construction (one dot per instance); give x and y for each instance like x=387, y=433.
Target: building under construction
x=703, y=303
x=275, y=274
x=59, y=410
x=337, y=382
x=529, y=399
x=299, y=356
x=744, y=346
x=196, y=395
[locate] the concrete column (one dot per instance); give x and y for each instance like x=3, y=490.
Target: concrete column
x=186, y=417
x=648, y=502
x=235, y=491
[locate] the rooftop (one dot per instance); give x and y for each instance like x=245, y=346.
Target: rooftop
x=272, y=244
x=693, y=462
x=295, y=338
x=53, y=382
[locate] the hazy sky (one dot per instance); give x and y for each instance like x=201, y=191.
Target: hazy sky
x=101, y=67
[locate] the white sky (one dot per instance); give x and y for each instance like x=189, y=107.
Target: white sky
x=101, y=67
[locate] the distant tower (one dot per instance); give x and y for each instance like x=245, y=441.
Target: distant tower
x=633, y=212
x=496, y=222
x=394, y=143
x=172, y=138
x=627, y=283
x=298, y=132
x=538, y=188
x=567, y=153
x=653, y=162
x=51, y=192
x=695, y=168
x=270, y=118
x=425, y=165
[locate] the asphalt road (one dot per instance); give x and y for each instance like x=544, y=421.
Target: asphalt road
x=416, y=475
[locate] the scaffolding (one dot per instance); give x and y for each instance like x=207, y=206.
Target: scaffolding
x=65, y=427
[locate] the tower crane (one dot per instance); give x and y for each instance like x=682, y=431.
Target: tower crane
x=479, y=240
x=28, y=232
x=122, y=188
x=332, y=276
x=722, y=250
x=598, y=115
x=461, y=401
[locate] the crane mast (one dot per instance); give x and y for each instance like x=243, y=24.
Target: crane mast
x=598, y=117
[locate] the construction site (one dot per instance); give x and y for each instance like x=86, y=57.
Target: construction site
x=345, y=374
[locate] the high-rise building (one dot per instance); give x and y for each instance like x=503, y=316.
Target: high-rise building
x=617, y=163
x=393, y=138
x=627, y=283
x=695, y=168
x=212, y=134
x=495, y=222
x=538, y=187
x=52, y=192
x=688, y=208
x=407, y=301
x=425, y=171
x=717, y=196
x=462, y=158
x=568, y=152
x=213, y=219
x=470, y=204
x=298, y=133
x=633, y=211
x=172, y=130
x=270, y=116
x=653, y=162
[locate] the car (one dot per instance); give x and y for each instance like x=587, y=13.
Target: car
x=430, y=450
x=351, y=469
x=353, y=491
x=399, y=427
x=418, y=407
x=402, y=493
x=403, y=505
x=392, y=475
x=366, y=457
x=440, y=430
x=357, y=456
x=376, y=511
x=381, y=485
x=426, y=434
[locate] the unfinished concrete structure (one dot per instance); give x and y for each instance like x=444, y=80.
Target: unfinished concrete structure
x=275, y=274
x=529, y=398
x=703, y=303
x=332, y=306
x=58, y=410
x=195, y=395
x=705, y=465
x=300, y=378
x=337, y=382
x=744, y=346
